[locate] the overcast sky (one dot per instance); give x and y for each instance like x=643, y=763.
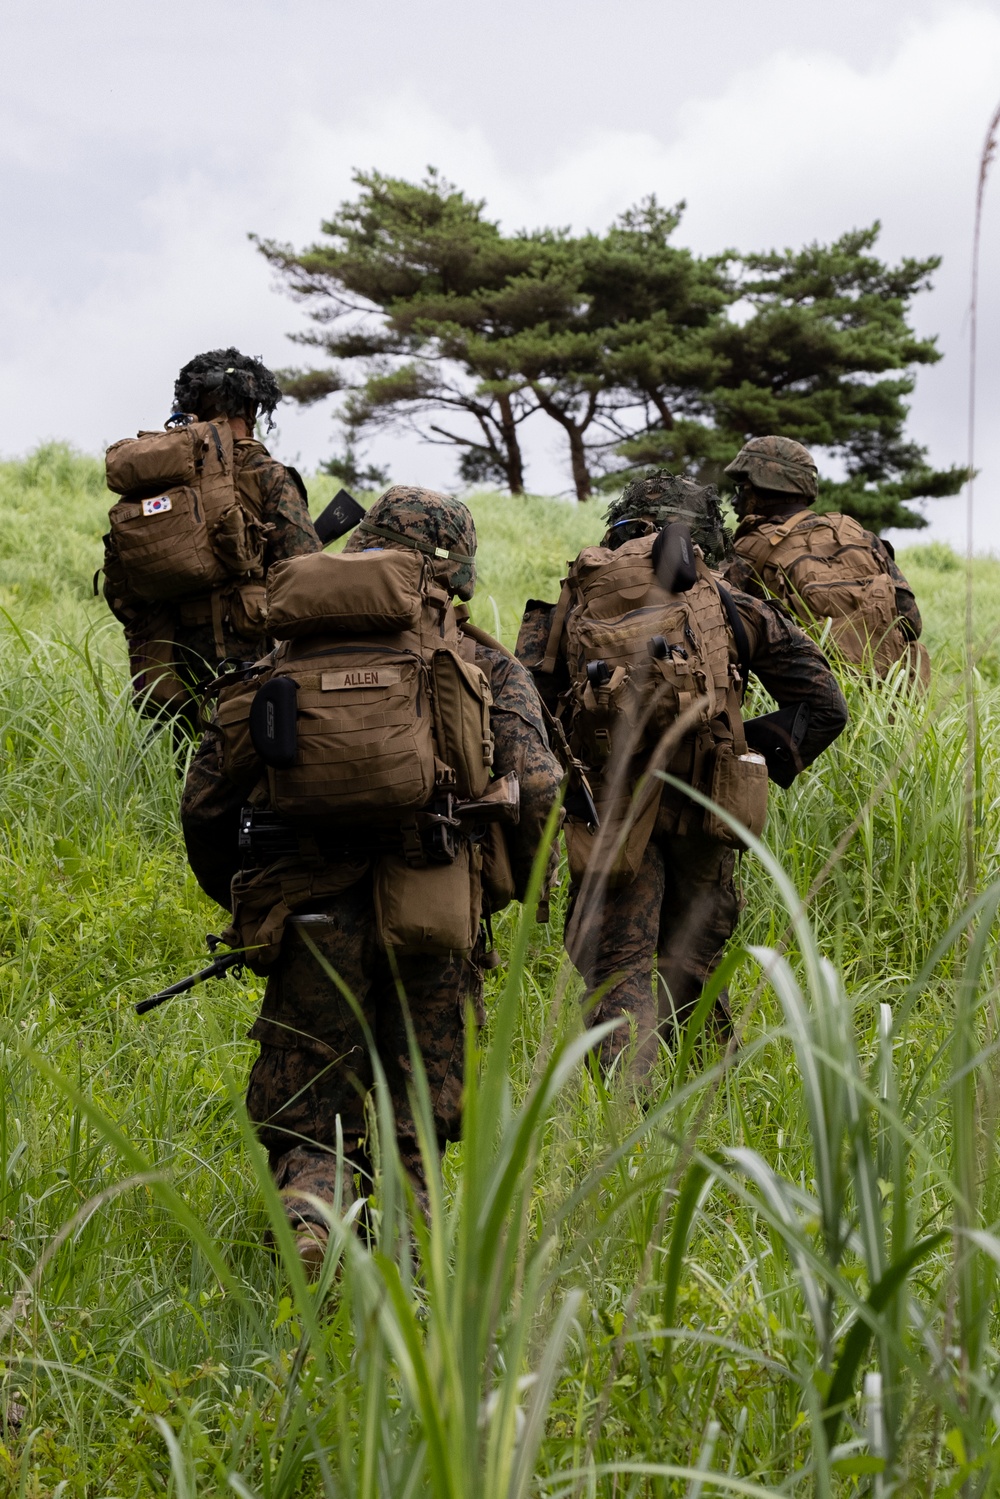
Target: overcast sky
x=139, y=143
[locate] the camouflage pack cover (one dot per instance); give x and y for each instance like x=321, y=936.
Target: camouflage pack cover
x=665, y=497
x=422, y=520
x=777, y=463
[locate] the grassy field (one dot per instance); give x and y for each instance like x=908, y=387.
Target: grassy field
x=777, y=1276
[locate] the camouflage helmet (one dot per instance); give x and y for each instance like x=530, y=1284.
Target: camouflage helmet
x=227, y=382
x=776, y=463
x=435, y=524
x=664, y=497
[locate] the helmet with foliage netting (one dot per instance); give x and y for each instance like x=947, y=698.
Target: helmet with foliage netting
x=661, y=497
x=424, y=521
x=776, y=463
x=227, y=383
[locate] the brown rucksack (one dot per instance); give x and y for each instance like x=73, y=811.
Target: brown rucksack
x=646, y=664
x=824, y=569
x=371, y=702
x=181, y=528
x=370, y=715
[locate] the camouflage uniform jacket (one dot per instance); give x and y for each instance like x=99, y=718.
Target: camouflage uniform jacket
x=741, y=573
x=211, y=802
x=270, y=491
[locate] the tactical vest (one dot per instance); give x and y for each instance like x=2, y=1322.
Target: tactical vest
x=651, y=684
x=182, y=528
x=824, y=569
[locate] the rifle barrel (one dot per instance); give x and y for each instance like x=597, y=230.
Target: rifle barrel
x=213, y=970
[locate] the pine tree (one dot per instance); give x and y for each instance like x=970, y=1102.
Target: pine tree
x=440, y=321
x=826, y=357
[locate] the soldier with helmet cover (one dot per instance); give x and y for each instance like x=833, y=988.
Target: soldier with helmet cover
x=830, y=571
x=345, y=876
x=653, y=900
x=178, y=629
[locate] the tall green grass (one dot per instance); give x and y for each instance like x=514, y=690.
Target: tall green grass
x=777, y=1273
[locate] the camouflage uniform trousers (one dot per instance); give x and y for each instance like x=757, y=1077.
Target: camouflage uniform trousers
x=679, y=912
x=314, y=1065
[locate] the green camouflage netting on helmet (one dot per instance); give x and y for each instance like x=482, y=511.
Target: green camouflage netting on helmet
x=226, y=382
x=435, y=524
x=665, y=497
x=776, y=463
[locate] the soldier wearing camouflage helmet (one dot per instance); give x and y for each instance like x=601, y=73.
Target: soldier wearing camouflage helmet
x=175, y=643
x=648, y=930
x=832, y=573
x=314, y=1070
x=649, y=502
x=439, y=527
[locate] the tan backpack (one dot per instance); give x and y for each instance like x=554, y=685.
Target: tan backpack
x=370, y=715
x=371, y=704
x=182, y=528
x=823, y=568
x=645, y=663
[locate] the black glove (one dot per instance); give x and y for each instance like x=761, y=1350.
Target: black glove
x=777, y=737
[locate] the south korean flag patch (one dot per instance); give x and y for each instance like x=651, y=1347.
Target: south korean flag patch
x=157, y=506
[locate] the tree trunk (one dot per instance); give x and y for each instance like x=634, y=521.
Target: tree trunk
x=574, y=431
x=514, y=463
x=578, y=461
x=666, y=415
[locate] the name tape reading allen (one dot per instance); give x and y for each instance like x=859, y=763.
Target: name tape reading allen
x=360, y=676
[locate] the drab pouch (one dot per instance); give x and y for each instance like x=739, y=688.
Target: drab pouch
x=609, y=857
x=739, y=787
x=245, y=606
x=462, y=700
x=435, y=909
x=263, y=900
x=238, y=541
x=154, y=459
x=232, y=718
x=498, y=875
x=336, y=593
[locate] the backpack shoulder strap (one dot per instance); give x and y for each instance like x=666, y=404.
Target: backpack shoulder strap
x=740, y=635
x=777, y=533
x=555, y=633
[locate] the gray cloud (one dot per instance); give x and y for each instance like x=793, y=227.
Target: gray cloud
x=138, y=145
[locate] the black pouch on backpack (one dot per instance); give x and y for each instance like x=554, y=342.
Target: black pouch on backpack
x=273, y=722
x=673, y=558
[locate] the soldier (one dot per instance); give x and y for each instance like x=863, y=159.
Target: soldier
x=666, y=893
x=314, y=1066
x=824, y=567
x=177, y=637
